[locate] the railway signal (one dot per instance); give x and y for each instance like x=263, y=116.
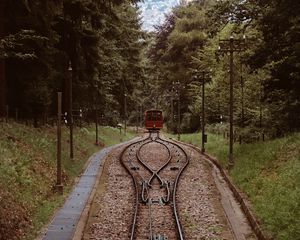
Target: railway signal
x=231, y=46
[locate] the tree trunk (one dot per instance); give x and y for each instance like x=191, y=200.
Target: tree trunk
x=2, y=63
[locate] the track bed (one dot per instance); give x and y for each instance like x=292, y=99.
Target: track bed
x=158, y=189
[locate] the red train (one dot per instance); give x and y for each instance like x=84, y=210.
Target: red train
x=154, y=119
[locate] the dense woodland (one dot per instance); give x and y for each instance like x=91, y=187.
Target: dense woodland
x=121, y=70
x=112, y=58
x=266, y=73
x=99, y=38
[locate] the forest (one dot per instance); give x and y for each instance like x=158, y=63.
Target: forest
x=100, y=45
x=110, y=70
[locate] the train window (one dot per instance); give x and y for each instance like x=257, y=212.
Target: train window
x=149, y=116
x=158, y=115
x=154, y=116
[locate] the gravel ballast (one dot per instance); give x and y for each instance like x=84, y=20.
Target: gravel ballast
x=198, y=200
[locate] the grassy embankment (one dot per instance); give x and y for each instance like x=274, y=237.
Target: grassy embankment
x=28, y=173
x=269, y=173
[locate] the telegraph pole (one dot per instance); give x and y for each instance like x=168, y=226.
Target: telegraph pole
x=231, y=160
x=176, y=87
x=70, y=70
x=141, y=115
x=260, y=101
x=96, y=122
x=204, y=78
x=179, y=119
x=137, y=119
x=172, y=108
x=59, y=186
x=243, y=113
x=96, y=114
x=230, y=46
x=125, y=112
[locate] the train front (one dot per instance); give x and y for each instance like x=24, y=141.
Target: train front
x=153, y=120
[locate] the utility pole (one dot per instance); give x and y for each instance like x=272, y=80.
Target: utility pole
x=176, y=87
x=204, y=78
x=59, y=186
x=3, y=81
x=125, y=112
x=261, y=109
x=96, y=115
x=96, y=123
x=231, y=45
x=137, y=119
x=171, y=95
x=179, y=119
x=70, y=71
x=260, y=103
x=243, y=114
x=141, y=115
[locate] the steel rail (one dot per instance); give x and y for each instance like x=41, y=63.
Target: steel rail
x=154, y=173
x=135, y=184
x=179, y=228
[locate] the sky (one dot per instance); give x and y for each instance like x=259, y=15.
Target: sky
x=153, y=12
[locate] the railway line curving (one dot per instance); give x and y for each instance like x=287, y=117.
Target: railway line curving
x=140, y=196
x=155, y=182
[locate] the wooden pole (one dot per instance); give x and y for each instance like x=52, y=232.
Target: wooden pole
x=203, y=114
x=96, y=122
x=125, y=113
x=59, y=186
x=231, y=160
x=71, y=112
x=7, y=114
x=178, y=110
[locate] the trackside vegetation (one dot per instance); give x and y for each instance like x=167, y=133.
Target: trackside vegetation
x=269, y=173
x=28, y=173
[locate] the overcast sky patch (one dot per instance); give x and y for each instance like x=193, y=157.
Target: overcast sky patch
x=153, y=12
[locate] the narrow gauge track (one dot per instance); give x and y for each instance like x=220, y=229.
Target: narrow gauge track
x=155, y=166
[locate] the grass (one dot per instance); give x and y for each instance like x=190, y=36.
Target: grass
x=269, y=173
x=28, y=173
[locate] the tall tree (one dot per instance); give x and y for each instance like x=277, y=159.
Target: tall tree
x=2, y=63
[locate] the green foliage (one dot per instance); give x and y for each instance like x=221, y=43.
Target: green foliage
x=266, y=86
x=268, y=172
x=101, y=39
x=28, y=173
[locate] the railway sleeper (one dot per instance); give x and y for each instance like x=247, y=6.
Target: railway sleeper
x=135, y=168
x=158, y=237
x=174, y=168
x=159, y=201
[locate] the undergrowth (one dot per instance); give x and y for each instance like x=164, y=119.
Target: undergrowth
x=269, y=173
x=28, y=173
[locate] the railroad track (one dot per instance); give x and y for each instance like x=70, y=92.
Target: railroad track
x=155, y=166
